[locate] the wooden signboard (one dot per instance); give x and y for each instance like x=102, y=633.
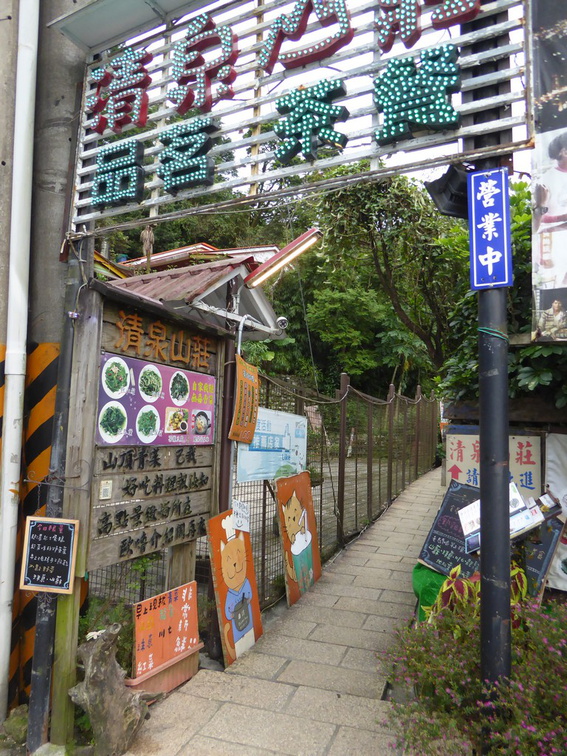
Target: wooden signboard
x=234, y=581
x=139, y=334
x=50, y=548
x=165, y=628
x=444, y=547
x=298, y=533
x=463, y=458
x=146, y=499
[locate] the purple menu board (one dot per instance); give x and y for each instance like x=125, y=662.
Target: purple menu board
x=146, y=403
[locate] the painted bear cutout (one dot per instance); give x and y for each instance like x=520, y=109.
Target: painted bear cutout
x=298, y=535
x=234, y=580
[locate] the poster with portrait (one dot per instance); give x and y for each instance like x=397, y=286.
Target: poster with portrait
x=549, y=172
x=234, y=579
x=549, y=236
x=298, y=532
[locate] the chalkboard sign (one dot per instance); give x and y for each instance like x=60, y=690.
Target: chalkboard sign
x=539, y=546
x=444, y=547
x=50, y=547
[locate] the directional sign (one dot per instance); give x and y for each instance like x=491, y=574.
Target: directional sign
x=489, y=229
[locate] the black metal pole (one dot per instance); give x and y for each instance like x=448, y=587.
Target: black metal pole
x=494, y=486
x=40, y=695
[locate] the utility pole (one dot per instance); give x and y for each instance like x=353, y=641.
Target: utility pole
x=48, y=133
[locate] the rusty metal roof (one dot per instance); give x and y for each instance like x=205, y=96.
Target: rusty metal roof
x=198, y=293
x=180, y=283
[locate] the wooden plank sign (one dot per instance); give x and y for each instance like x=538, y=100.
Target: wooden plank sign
x=147, y=498
x=165, y=628
x=298, y=534
x=50, y=548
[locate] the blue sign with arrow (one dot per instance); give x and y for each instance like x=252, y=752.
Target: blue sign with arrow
x=489, y=229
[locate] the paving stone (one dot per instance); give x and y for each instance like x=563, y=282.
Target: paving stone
x=350, y=637
x=362, y=546
x=175, y=720
x=354, y=558
x=300, y=649
x=334, y=576
x=356, y=570
x=257, y=665
x=294, y=627
x=323, y=615
x=352, y=742
x=339, y=709
x=375, y=623
x=349, y=590
x=398, y=597
x=247, y=691
x=360, y=658
x=381, y=560
x=315, y=598
x=370, y=580
x=201, y=746
x=252, y=727
x=394, y=550
x=380, y=607
x=340, y=679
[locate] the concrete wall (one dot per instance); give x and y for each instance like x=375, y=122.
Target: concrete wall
x=8, y=38
x=60, y=74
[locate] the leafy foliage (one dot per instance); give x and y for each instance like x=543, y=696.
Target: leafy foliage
x=390, y=235
x=452, y=709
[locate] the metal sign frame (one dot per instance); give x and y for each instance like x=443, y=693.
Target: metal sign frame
x=243, y=156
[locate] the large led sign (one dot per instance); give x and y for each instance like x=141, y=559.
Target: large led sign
x=232, y=98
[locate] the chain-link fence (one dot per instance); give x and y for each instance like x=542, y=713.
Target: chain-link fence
x=361, y=453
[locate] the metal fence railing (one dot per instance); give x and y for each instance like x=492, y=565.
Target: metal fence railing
x=361, y=453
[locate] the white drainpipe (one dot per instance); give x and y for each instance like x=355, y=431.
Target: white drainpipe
x=17, y=323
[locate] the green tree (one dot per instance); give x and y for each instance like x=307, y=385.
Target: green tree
x=390, y=235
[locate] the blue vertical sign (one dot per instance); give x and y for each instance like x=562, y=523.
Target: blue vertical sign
x=489, y=229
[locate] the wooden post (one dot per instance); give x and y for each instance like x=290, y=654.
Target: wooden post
x=369, y=460
x=417, y=429
x=342, y=394
x=432, y=429
x=405, y=443
x=391, y=410
x=76, y=504
x=181, y=566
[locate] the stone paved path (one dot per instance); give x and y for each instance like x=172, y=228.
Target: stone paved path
x=313, y=684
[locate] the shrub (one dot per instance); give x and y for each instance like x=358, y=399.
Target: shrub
x=452, y=711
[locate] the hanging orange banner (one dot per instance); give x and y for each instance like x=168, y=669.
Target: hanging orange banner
x=245, y=402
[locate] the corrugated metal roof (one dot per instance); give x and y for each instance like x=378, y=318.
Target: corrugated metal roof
x=198, y=294
x=180, y=283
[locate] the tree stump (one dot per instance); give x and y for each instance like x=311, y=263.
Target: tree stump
x=116, y=712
